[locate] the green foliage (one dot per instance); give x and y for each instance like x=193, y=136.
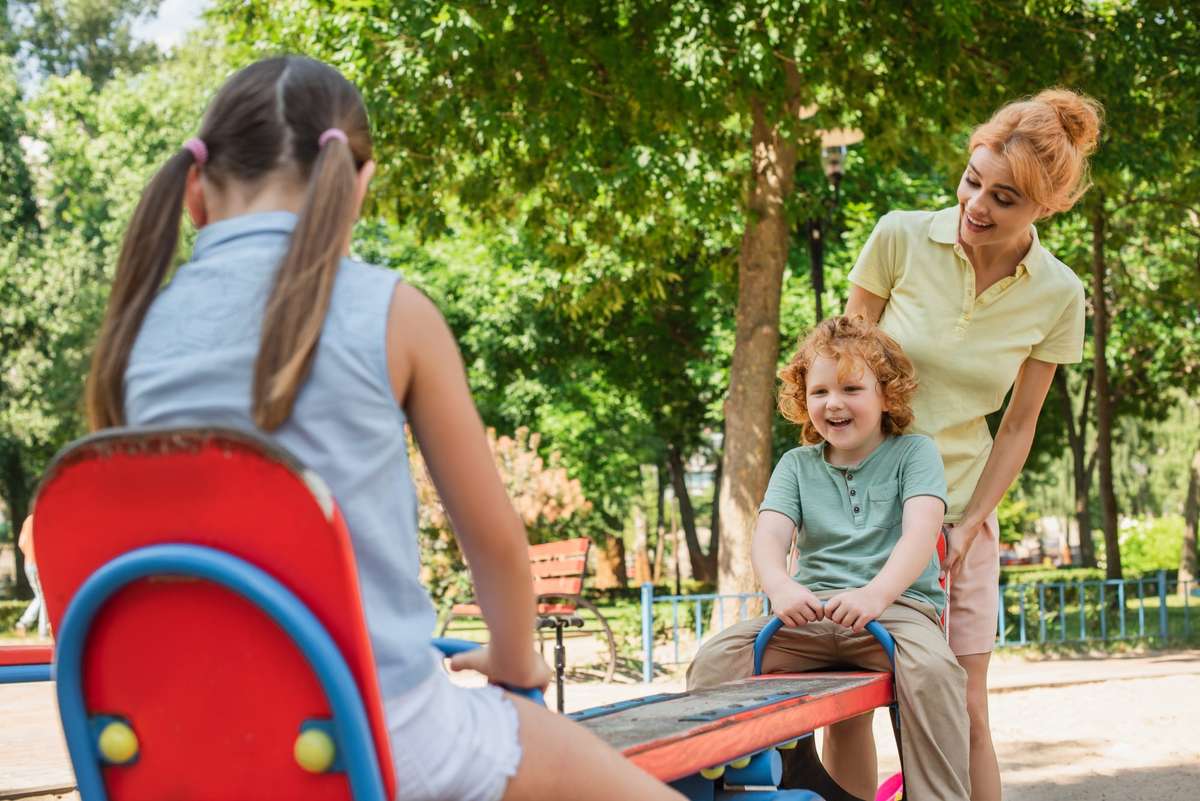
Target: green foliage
x=1039, y=574
x=92, y=37
x=549, y=502
x=90, y=151
x=1151, y=544
x=1016, y=519
x=10, y=613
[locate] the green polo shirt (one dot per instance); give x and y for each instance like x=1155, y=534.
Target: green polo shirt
x=849, y=518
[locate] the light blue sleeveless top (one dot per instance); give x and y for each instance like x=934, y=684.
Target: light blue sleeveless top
x=193, y=364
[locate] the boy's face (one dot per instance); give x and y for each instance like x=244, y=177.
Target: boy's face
x=847, y=412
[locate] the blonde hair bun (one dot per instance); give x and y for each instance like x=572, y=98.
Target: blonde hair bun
x=1046, y=140
x=1080, y=115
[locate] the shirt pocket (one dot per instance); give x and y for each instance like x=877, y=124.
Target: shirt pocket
x=883, y=504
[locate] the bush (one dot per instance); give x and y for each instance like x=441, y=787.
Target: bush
x=1150, y=544
x=10, y=611
x=1039, y=574
x=1016, y=519
x=550, y=503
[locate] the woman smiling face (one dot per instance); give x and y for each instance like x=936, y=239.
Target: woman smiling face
x=992, y=210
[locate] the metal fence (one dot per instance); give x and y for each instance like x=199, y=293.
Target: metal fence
x=692, y=611
x=1069, y=612
x=1148, y=608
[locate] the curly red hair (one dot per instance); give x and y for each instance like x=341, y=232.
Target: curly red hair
x=855, y=343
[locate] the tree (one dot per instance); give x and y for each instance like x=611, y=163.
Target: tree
x=610, y=391
x=615, y=133
x=89, y=152
x=93, y=37
x=1191, y=522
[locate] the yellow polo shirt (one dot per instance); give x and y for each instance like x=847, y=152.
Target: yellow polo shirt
x=966, y=349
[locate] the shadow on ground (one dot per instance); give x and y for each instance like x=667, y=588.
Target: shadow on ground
x=1166, y=783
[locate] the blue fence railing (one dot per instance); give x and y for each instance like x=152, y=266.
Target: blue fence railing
x=693, y=612
x=1151, y=607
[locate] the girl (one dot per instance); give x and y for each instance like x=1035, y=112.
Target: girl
x=981, y=308
x=269, y=326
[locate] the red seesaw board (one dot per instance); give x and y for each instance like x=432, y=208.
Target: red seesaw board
x=682, y=734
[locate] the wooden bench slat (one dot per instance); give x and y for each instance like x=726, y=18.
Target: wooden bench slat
x=473, y=610
x=552, y=550
x=556, y=609
x=558, y=585
x=575, y=566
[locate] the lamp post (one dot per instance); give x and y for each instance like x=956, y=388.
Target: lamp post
x=834, y=144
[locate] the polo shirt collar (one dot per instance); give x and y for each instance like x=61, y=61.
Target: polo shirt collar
x=944, y=229
x=266, y=224
x=881, y=448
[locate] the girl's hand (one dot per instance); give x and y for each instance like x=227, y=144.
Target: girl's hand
x=854, y=609
x=962, y=537
x=535, y=674
x=795, y=604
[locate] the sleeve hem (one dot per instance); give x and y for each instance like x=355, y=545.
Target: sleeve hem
x=766, y=507
x=1056, y=356
x=927, y=494
x=875, y=289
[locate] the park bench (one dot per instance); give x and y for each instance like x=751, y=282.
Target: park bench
x=210, y=636
x=558, y=570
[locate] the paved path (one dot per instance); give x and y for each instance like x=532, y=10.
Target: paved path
x=1066, y=730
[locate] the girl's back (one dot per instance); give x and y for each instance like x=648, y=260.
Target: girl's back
x=270, y=327
x=193, y=364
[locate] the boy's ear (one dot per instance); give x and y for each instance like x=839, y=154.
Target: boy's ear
x=193, y=198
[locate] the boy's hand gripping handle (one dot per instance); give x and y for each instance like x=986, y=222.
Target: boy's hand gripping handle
x=450, y=646
x=775, y=624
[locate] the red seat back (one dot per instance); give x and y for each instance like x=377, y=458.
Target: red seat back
x=214, y=689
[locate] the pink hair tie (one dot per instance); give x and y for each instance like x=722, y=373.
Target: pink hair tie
x=332, y=133
x=198, y=148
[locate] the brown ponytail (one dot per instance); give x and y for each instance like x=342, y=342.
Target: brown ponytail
x=303, y=286
x=266, y=121
x=146, y=255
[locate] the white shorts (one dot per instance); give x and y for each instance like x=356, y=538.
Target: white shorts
x=451, y=742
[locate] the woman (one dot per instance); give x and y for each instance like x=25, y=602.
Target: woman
x=981, y=307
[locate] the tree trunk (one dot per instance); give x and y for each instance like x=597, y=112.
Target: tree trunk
x=610, y=564
x=687, y=516
x=1104, y=414
x=1077, y=437
x=17, y=494
x=750, y=402
x=1191, y=521
x=714, y=542
x=641, y=554
x=660, y=531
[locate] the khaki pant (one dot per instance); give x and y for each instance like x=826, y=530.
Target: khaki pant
x=930, y=684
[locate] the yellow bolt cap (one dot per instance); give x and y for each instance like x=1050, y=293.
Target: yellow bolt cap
x=314, y=751
x=738, y=764
x=788, y=746
x=118, y=744
x=713, y=773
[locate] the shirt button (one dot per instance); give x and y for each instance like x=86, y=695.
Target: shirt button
x=855, y=510
x=849, y=476
x=853, y=492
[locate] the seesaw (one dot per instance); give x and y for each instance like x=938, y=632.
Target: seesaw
x=210, y=636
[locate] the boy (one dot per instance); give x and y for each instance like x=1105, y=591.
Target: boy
x=868, y=502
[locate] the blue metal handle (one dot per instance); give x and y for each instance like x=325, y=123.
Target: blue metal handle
x=351, y=725
x=775, y=624
x=450, y=646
